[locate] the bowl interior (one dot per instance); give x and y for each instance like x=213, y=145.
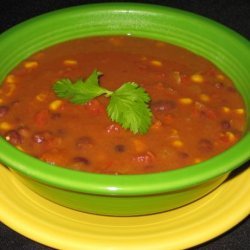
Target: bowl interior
x=213, y=41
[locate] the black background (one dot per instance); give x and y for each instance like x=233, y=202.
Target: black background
x=232, y=13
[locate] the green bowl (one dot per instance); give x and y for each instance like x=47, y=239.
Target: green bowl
x=127, y=195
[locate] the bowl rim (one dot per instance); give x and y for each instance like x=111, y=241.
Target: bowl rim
x=126, y=185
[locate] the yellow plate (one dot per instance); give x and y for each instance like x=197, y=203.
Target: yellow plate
x=63, y=228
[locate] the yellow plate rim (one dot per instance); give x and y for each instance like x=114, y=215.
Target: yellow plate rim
x=53, y=225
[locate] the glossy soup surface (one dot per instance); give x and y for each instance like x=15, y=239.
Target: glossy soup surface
x=197, y=112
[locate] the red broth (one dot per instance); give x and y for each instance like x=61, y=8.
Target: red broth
x=197, y=112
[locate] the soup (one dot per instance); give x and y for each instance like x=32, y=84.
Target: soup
x=197, y=112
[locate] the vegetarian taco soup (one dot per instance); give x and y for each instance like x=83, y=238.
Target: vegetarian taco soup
x=120, y=105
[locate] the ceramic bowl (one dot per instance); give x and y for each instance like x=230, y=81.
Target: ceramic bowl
x=128, y=195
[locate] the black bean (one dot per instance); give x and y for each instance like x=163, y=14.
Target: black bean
x=84, y=142
x=183, y=155
x=205, y=145
x=41, y=137
x=13, y=137
x=119, y=148
x=163, y=106
x=225, y=125
x=3, y=111
x=38, y=138
x=81, y=160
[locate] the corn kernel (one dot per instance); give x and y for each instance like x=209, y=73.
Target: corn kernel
x=55, y=105
x=139, y=145
x=12, y=87
x=220, y=77
x=174, y=132
x=197, y=160
x=177, y=77
x=20, y=148
x=5, y=126
x=226, y=110
x=70, y=62
x=174, y=135
x=41, y=97
x=31, y=65
x=177, y=143
x=204, y=98
x=185, y=101
x=197, y=78
x=239, y=111
x=231, y=137
x=10, y=79
x=156, y=63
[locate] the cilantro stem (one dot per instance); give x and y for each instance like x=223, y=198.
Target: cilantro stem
x=108, y=93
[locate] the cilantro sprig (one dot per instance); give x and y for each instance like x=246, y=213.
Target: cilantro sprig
x=128, y=104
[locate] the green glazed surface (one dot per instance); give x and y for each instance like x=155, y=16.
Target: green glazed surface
x=223, y=47
x=116, y=205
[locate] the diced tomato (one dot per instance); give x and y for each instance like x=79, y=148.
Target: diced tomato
x=201, y=109
x=184, y=79
x=95, y=107
x=41, y=118
x=168, y=118
x=209, y=113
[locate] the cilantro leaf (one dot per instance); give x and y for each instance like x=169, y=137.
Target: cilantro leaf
x=128, y=104
x=81, y=91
